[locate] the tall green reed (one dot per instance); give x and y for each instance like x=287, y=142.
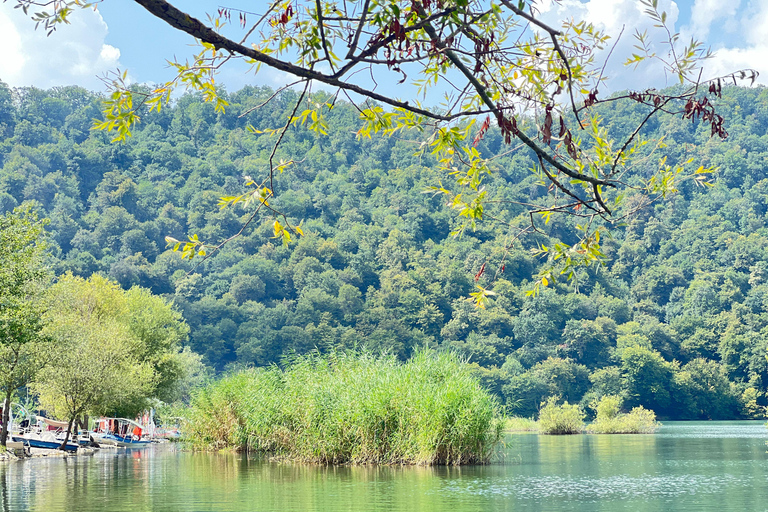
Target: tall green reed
x=351, y=408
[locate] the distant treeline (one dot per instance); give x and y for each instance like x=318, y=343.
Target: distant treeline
x=676, y=321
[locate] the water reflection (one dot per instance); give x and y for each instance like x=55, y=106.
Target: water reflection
x=723, y=468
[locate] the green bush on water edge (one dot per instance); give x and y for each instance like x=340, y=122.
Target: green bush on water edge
x=351, y=408
x=560, y=419
x=610, y=419
x=569, y=419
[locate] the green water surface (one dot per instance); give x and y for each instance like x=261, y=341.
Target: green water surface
x=687, y=466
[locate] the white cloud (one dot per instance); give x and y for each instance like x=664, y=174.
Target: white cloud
x=750, y=50
x=705, y=12
x=620, y=20
x=11, y=59
x=736, y=30
x=73, y=54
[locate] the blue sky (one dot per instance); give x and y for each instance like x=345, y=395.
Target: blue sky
x=122, y=34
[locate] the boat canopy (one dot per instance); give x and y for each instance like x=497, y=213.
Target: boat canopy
x=53, y=423
x=125, y=420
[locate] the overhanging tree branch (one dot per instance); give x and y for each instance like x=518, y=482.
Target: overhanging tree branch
x=482, y=92
x=186, y=23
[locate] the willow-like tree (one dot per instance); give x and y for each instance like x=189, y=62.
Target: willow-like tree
x=24, y=349
x=499, y=66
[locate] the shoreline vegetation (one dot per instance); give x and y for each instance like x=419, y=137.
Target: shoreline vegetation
x=346, y=408
x=560, y=419
x=610, y=419
x=565, y=418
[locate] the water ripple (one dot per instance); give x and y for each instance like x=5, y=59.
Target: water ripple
x=618, y=487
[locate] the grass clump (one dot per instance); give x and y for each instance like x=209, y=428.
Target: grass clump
x=519, y=424
x=610, y=419
x=560, y=419
x=351, y=408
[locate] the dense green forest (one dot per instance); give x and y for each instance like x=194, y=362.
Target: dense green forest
x=676, y=320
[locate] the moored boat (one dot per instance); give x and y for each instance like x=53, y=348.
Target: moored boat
x=34, y=440
x=27, y=428
x=120, y=432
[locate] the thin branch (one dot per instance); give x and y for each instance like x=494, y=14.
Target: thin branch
x=596, y=190
x=372, y=49
x=608, y=57
x=481, y=91
x=553, y=35
x=278, y=91
x=530, y=18
x=634, y=134
x=280, y=138
x=261, y=20
x=353, y=45
x=192, y=26
x=319, y=9
x=567, y=192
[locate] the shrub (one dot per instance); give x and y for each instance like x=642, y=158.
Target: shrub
x=610, y=419
x=560, y=419
x=352, y=408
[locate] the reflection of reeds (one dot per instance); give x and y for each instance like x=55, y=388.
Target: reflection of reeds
x=352, y=409
x=226, y=477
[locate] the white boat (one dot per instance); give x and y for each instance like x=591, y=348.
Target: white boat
x=37, y=431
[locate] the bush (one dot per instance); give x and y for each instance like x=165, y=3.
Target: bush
x=610, y=420
x=560, y=419
x=351, y=408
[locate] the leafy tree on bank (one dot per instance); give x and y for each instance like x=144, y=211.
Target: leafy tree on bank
x=24, y=348
x=115, y=350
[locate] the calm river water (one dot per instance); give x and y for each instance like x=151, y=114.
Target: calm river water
x=691, y=466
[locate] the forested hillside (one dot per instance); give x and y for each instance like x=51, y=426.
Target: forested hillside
x=677, y=319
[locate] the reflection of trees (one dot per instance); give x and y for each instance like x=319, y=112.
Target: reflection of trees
x=159, y=480
x=4, y=499
x=15, y=487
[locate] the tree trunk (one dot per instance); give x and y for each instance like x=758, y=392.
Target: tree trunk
x=66, y=436
x=6, y=419
x=83, y=422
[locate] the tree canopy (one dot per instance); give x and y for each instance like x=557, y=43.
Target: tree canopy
x=497, y=63
x=114, y=351
x=23, y=275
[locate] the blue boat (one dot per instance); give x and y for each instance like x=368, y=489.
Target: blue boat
x=33, y=442
x=122, y=441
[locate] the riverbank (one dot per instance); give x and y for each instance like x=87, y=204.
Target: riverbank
x=32, y=453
